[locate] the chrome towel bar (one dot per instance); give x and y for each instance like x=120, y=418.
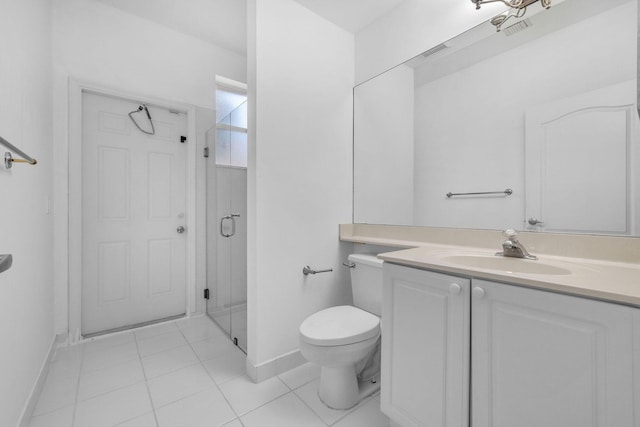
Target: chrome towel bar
x=506, y=192
x=8, y=158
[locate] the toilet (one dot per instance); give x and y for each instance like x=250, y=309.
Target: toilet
x=345, y=340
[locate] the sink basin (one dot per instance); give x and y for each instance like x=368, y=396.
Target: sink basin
x=505, y=264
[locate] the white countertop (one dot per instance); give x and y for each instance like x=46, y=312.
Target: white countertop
x=612, y=281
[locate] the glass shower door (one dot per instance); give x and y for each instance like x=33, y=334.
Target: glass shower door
x=227, y=225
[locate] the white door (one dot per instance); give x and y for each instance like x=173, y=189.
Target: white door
x=580, y=157
x=133, y=202
x=545, y=359
x=425, y=348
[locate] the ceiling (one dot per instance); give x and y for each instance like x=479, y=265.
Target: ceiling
x=352, y=15
x=223, y=22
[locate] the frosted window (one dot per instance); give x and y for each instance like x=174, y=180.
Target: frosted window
x=231, y=138
x=239, y=149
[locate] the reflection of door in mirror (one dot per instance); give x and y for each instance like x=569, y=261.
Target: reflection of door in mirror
x=579, y=163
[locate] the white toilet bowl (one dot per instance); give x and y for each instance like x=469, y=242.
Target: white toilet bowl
x=339, y=339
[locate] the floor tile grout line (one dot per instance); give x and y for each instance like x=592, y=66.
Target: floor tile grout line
x=171, y=371
x=355, y=408
x=75, y=403
x=265, y=403
x=117, y=365
x=138, y=340
x=344, y=415
x=156, y=335
x=214, y=382
x=310, y=408
x=49, y=412
x=146, y=382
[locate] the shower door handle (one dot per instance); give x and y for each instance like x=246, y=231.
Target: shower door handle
x=232, y=217
x=233, y=227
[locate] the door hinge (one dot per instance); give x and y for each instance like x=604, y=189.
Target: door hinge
x=206, y=151
x=206, y=294
x=183, y=139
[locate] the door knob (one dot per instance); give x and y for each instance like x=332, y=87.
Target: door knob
x=180, y=230
x=454, y=288
x=534, y=221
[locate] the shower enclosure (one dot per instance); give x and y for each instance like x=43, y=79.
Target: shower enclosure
x=227, y=223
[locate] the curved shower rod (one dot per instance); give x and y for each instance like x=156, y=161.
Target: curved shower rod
x=144, y=108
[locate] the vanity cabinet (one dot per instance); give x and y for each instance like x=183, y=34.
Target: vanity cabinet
x=547, y=359
x=425, y=348
x=537, y=358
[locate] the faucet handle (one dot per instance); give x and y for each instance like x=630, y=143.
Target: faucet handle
x=510, y=233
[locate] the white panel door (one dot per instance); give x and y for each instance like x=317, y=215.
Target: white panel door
x=545, y=359
x=133, y=201
x=580, y=157
x=425, y=348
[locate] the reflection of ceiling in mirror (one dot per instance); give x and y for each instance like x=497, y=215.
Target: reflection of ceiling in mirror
x=483, y=42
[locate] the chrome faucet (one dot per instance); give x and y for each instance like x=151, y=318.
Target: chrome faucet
x=512, y=247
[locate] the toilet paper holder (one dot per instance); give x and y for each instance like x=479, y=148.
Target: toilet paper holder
x=306, y=270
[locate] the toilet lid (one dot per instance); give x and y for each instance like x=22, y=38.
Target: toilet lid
x=340, y=326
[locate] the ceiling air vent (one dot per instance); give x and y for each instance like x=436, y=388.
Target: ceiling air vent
x=434, y=50
x=517, y=27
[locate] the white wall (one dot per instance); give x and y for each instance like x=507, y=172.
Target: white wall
x=383, y=149
x=299, y=182
x=412, y=28
x=101, y=45
x=26, y=290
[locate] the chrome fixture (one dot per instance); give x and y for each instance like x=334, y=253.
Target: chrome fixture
x=231, y=217
x=349, y=264
x=518, y=9
x=144, y=108
x=307, y=270
x=535, y=221
x=506, y=192
x=8, y=158
x=5, y=262
x=513, y=248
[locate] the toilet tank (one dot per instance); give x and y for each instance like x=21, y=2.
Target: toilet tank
x=366, y=282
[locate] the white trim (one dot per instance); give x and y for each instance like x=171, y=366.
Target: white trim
x=74, y=213
x=32, y=400
x=273, y=367
x=226, y=83
x=231, y=127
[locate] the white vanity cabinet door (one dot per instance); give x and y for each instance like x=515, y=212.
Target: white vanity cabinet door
x=425, y=348
x=552, y=360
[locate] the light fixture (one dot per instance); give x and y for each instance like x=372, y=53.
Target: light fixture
x=518, y=9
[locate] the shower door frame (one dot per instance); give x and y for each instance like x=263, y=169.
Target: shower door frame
x=211, y=144
x=73, y=215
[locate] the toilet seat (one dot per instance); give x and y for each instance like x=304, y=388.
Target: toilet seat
x=340, y=325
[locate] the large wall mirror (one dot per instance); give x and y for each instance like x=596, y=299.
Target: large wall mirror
x=542, y=115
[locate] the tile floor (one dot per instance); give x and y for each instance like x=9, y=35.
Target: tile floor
x=181, y=374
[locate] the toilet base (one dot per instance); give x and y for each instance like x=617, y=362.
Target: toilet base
x=340, y=388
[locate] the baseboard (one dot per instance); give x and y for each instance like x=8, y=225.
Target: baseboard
x=273, y=367
x=30, y=405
